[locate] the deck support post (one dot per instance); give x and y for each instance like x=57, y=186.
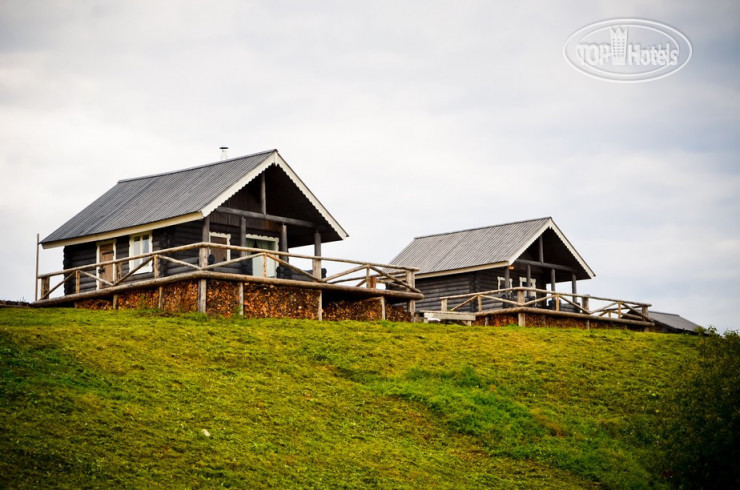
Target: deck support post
x=522, y=319
x=115, y=301
x=203, y=262
x=320, y=312
x=529, y=278
x=507, y=278
x=241, y=298
x=316, y=265
x=160, y=299
x=263, y=194
x=382, y=307
x=411, y=305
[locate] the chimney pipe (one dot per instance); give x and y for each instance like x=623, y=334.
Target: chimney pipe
x=224, y=152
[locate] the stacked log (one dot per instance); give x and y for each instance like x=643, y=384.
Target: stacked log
x=268, y=301
x=222, y=298
x=367, y=310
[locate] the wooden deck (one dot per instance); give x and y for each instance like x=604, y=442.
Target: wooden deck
x=194, y=263
x=527, y=306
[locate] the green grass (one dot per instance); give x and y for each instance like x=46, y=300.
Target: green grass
x=137, y=399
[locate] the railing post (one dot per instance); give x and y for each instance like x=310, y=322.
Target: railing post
x=155, y=266
x=557, y=302
x=480, y=303
x=585, y=305
x=520, y=297
x=45, y=285
x=443, y=304
x=77, y=282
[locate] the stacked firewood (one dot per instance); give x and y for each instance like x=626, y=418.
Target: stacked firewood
x=222, y=298
x=268, y=301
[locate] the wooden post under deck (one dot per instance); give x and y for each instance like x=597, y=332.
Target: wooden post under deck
x=284, y=241
x=203, y=262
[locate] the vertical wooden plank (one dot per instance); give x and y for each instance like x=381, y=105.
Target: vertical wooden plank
x=284, y=241
x=382, y=307
x=522, y=319
x=45, y=286
x=443, y=304
x=542, y=249
x=77, y=282
x=316, y=263
x=321, y=309
x=155, y=266
x=160, y=299
x=205, y=238
x=263, y=194
x=115, y=301
x=241, y=298
x=36, y=280
x=573, y=284
x=507, y=278
x=552, y=279
x=202, y=295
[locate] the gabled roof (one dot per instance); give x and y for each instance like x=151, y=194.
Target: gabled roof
x=482, y=248
x=672, y=321
x=155, y=201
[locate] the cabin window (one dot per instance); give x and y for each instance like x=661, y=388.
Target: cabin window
x=261, y=265
x=139, y=245
x=523, y=282
x=220, y=254
x=502, y=283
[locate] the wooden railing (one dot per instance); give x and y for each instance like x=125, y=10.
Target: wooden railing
x=360, y=274
x=592, y=306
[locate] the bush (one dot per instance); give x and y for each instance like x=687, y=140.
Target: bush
x=701, y=433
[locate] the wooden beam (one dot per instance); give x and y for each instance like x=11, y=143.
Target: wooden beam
x=545, y=265
x=542, y=249
x=316, y=263
x=268, y=217
x=284, y=238
x=263, y=194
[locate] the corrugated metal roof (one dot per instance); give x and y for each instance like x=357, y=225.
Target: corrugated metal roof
x=477, y=247
x=672, y=320
x=143, y=200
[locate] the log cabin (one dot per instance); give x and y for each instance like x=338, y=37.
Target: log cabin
x=253, y=201
x=533, y=254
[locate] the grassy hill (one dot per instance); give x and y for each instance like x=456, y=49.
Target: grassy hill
x=138, y=399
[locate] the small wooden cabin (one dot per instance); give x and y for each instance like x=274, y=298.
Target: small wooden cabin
x=253, y=201
x=533, y=253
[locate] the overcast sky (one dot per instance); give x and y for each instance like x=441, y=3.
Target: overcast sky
x=405, y=118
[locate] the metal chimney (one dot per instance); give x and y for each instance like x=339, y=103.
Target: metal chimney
x=224, y=152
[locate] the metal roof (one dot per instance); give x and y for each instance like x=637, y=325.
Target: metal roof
x=459, y=250
x=672, y=321
x=157, y=198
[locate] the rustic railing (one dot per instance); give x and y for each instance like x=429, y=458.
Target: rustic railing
x=360, y=274
x=521, y=297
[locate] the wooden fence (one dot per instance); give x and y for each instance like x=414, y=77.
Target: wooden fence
x=359, y=274
x=567, y=303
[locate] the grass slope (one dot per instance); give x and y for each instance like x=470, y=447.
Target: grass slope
x=94, y=399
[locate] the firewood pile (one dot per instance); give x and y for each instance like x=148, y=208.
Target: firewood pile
x=181, y=297
x=268, y=301
x=396, y=314
x=146, y=299
x=94, y=304
x=367, y=310
x=222, y=298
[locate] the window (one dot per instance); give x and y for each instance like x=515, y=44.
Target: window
x=259, y=265
x=523, y=282
x=502, y=283
x=139, y=245
x=220, y=254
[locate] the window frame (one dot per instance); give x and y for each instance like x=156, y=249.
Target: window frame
x=133, y=263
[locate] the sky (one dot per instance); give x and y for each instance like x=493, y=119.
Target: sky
x=405, y=118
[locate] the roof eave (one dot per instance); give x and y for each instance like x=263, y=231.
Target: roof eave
x=133, y=230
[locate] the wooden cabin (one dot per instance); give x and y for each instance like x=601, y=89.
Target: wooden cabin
x=533, y=254
x=253, y=201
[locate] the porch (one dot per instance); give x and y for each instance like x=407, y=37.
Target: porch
x=214, y=277
x=539, y=307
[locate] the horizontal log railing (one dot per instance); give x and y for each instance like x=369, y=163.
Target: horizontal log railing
x=362, y=274
x=521, y=297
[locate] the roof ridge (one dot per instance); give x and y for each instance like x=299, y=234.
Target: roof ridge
x=212, y=164
x=484, y=227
